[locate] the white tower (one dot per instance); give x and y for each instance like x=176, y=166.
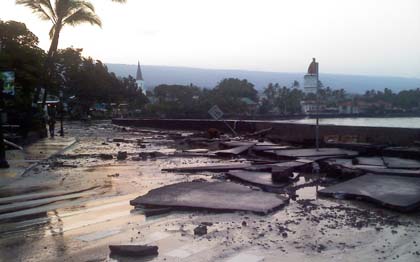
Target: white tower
x=310, y=80
x=139, y=78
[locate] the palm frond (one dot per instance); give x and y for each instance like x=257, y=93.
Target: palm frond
x=82, y=16
x=38, y=8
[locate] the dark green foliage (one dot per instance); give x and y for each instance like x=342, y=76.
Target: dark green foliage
x=89, y=82
x=406, y=100
x=20, y=53
x=86, y=80
x=192, y=101
x=281, y=100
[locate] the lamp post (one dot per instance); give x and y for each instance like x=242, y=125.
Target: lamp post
x=317, y=118
x=3, y=161
x=61, y=114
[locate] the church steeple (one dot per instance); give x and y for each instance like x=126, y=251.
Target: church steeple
x=139, y=78
x=139, y=75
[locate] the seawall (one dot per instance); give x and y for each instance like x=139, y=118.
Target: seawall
x=290, y=132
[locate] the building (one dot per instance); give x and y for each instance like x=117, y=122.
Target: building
x=362, y=107
x=310, y=107
x=348, y=108
x=311, y=84
x=139, y=78
x=251, y=106
x=311, y=79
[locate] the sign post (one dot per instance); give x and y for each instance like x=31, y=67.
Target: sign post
x=3, y=161
x=217, y=114
x=61, y=113
x=319, y=85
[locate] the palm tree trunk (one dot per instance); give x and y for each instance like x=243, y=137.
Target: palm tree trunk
x=49, y=61
x=54, y=41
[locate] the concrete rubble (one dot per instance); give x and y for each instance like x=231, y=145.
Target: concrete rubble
x=133, y=250
x=216, y=196
x=197, y=198
x=401, y=193
x=278, y=174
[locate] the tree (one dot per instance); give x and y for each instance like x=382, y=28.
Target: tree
x=236, y=88
x=178, y=100
x=61, y=13
x=230, y=93
x=281, y=99
x=89, y=82
x=20, y=53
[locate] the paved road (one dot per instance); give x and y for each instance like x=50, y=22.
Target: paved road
x=72, y=206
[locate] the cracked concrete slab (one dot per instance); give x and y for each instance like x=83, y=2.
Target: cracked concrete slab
x=396, y=192
x=217, y=196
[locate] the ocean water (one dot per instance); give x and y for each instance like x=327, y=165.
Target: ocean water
x=404, y=122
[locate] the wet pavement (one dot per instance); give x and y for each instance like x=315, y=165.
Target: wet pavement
x=81, y=227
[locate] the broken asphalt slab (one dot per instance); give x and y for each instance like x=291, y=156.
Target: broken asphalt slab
x=216, y=196
x=346, y=167
x=401, y=163
x=133, y=250
x=261, y=179
x=299, y=164
x=313, y=152
x=212, y=168
x=370, y=161
x=234, y=151
x=400, y=193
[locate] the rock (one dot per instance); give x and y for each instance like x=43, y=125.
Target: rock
x=200, y=230
x=213, y=133
x=122, y=155
x=105, y=156
x=133, y=250
x=120, y=140
x=321, y=248
x=281, y=174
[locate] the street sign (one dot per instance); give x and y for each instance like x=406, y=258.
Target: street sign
x=8, y=78
x=216, y=112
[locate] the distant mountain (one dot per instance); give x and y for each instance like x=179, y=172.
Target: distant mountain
x=208, y=78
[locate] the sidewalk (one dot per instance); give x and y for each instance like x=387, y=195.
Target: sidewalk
x=22, y=161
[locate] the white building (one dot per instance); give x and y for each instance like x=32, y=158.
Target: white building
x=139, y=78
x=311, y=79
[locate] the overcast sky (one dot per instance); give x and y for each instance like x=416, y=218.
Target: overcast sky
x=369, y=37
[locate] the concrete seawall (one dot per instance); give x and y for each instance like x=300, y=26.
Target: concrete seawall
x=291, y=132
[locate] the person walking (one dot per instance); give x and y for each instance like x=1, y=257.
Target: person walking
x=51, y=125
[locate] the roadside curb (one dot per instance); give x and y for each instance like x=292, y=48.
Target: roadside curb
x=29, y=168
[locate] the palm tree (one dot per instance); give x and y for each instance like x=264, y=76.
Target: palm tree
x=61, y=13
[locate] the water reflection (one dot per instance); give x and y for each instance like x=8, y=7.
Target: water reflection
x=404, y=122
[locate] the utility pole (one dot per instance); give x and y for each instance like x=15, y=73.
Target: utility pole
x=3, y=161
x=317, y=118
x=61, y=114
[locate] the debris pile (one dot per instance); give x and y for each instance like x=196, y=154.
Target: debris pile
x=272, y=168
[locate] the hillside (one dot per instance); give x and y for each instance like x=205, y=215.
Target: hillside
x=208, y=78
